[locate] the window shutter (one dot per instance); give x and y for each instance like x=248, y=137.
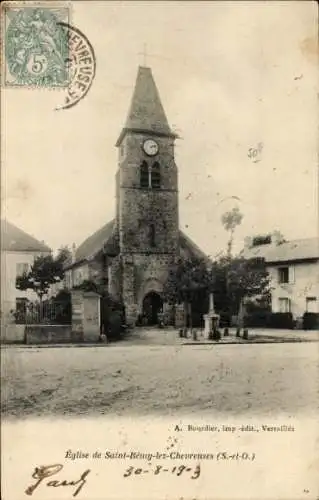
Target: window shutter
x=144, y=180
x=156, y=176
x=291, y=274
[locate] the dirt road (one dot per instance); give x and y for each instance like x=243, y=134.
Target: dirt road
x=140, y=380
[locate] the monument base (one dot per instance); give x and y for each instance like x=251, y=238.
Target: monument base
x=211, y=324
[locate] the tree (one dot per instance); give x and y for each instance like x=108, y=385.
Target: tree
x=230, y=221
x=247, y=278
x=64, y=255
x=188, y=280
x=45, y=271
x=238, y=278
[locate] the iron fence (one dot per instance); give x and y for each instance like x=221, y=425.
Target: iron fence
x=26, y=312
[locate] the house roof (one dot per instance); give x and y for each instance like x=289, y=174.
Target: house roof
x=146, y=113
x=295, y=250
x=14, y=239
x=105, y=238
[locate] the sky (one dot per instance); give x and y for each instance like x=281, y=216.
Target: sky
x=231, y=76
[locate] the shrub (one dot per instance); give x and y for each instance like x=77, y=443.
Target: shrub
x=62, y=306
x=115, y=325
x=224, y=320
x=310, y=321
x=281, y=320
x=113, y=318
x=265, y=319
x=257, y=319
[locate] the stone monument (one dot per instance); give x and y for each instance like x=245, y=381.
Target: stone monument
x=211, y=319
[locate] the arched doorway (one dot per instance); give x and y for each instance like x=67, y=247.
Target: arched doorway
x=152, y=305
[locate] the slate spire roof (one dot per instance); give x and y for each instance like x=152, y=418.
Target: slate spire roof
x=146, y=113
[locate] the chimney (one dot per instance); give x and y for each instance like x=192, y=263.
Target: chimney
x=248, y=242
x=73, y=252
x=277, y=238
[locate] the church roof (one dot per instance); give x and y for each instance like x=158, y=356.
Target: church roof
x=189, y=249
x=146, y=112
x=14, y=239
x=104, y=239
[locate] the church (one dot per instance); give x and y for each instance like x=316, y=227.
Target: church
x=132, y=254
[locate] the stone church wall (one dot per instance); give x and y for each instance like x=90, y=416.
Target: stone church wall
x=115, y=278
x=131, y=158
x=140, y=209
x=151, y=272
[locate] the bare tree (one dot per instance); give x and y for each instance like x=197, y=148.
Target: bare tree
x=230, y=221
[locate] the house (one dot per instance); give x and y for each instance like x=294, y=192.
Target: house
x=18, y=251
x=132, y=254
x=294, y=271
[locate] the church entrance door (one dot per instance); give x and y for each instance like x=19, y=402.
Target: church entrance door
x=152, y=305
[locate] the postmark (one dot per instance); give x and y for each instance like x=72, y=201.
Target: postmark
x=81, y=66
x=36, y=48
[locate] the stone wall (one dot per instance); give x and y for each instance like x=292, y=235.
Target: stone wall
x=49, y=334
x=150, y=268
x=140, y=209
x=85, y=316
x=132, y=156
x=145, y=263
x=12, y=334
x=115, y=277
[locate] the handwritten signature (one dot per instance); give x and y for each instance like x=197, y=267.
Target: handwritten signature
x=45, y=471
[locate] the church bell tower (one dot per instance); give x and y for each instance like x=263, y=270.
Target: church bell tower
x=146, y=201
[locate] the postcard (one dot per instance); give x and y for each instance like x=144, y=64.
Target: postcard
x=159, y=250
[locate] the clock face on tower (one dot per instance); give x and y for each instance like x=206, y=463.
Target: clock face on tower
x=150, y=147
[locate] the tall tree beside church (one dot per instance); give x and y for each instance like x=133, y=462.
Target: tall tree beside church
x=230, y=221
x=187, y=280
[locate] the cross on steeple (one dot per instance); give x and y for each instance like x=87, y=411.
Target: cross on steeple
x=144, y=54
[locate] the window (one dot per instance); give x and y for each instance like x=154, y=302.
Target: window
x=283, y=275
x=150, y=177
x=152, y=235
x=144, y=175
x=68, y=280
x=156, y=176
x=22, y=268
x=311, y=305
x=284, y=305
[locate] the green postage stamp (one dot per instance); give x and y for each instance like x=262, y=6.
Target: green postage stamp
x=35, y=44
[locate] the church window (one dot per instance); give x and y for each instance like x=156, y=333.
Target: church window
x=144, y=175
x=156, y=176
x=150, y=177
x=152, y=235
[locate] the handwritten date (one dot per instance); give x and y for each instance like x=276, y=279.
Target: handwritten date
x=159, y=469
